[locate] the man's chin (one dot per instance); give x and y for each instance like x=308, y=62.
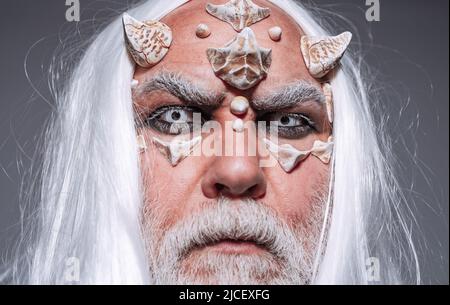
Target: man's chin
x=230, y=263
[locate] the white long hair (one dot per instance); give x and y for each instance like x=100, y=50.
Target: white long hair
x=89, y=192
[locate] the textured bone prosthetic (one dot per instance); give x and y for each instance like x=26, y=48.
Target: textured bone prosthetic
x=176, y=150
x=241, y=63
x=147, y=42
x=238, y=13
x=289, y=157
x=323, y=150
x=322, y=54
x=328, y=92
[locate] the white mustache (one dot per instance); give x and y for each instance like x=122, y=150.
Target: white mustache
x=246, y=220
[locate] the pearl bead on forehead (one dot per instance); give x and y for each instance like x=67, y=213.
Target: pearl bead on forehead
x=239, y=105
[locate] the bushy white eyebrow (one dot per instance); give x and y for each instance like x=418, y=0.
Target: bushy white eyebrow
x=289, y=96
x=182, y=88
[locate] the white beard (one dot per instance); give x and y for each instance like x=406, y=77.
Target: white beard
x=175, y=256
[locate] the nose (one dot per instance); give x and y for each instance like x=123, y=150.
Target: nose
x=234, y=177
x=235, y=174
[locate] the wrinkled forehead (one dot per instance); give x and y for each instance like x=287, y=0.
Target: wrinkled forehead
x=188, y=52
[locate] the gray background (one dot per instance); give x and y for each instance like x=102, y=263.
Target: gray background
x=408, y=50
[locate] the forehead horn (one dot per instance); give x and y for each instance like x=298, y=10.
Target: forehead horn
x=147, y=42
x=323, y=54
x=238, y=13
x=242, y=63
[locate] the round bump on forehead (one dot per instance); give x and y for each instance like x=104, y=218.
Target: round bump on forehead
x=188, y=52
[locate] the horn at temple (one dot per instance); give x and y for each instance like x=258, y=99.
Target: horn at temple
x=241, y=63
x=147, y=42
x=238, y=13
x=322, y=54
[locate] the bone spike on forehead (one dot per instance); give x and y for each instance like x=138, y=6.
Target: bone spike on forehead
x=242, y=63
x=322, y=54
x=238, y=13
x=147, y=42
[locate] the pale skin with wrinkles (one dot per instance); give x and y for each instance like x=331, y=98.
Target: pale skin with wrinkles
x=201, y=179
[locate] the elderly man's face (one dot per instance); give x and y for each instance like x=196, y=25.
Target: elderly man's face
x=226, y=219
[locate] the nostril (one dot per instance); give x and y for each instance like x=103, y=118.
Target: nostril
x=256, y=191
x=252, y=189
x=219, y=187
x=238, y=190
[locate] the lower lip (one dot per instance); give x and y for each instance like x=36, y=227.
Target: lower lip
x=236, y=247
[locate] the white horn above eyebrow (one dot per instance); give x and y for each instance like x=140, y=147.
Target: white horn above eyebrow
x=322, y=54
x=147, y=42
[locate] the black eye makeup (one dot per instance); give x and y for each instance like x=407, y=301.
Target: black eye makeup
x=290, y=125
x=177, y=119
x=173, y=120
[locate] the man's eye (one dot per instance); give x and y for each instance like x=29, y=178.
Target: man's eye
x=290, y=125
x=177, y=116
x=173, y=120
x=288, y=120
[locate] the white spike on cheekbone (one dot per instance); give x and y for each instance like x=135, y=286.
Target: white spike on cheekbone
x=289, y=157
x=176, y=150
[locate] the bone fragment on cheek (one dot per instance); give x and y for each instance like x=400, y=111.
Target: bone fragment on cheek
x=288, y=156
x=323, y=150
x=176, y=150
